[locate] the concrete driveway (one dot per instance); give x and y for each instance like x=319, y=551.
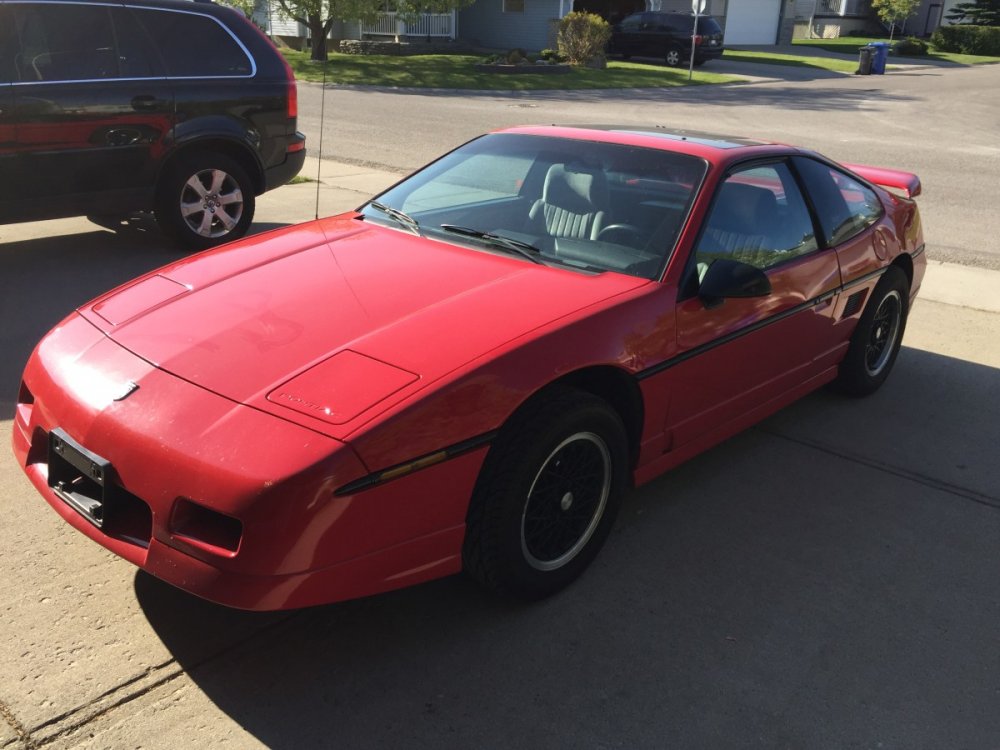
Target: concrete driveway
x=824, y=580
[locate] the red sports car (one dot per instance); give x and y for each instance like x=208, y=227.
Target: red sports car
x=470, y=370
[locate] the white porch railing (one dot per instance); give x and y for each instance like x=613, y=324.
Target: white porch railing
x=435, y=25
x=845, y=7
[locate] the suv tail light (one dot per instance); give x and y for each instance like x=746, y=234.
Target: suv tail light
x=293, y=90
x=698, y=39
x=293, y=100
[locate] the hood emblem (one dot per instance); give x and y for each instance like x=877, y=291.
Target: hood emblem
x=127, y=390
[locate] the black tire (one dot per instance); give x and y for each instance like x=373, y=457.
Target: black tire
x=205, y=199
x=876, y=340
x=673, y=57
x=521, y=537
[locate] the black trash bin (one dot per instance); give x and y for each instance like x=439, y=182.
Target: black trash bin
x=865, y=59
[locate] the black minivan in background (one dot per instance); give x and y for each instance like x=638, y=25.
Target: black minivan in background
x=668, y=37
x=108, y=107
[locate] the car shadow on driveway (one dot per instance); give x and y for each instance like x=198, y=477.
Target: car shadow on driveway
x=47, y=277
x=818, y=99
x=827, y=579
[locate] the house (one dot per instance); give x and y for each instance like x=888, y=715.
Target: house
x=834, y=18
x=532, y=24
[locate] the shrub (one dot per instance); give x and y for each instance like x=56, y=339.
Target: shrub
x=969, y=40
x=582, y=37
x=551, y=55
x=911, y=47
x=516, y=56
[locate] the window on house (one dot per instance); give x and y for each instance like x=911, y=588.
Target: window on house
x=513, y=6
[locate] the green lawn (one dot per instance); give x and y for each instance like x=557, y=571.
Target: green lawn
x=849, y=45
x=458, y=72
x=805, y=61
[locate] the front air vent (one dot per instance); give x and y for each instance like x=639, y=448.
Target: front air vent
x=854, y=303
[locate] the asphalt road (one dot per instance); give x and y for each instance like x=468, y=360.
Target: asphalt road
x=942, y=123
x=827, y=579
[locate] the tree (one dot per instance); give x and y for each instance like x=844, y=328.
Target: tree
x=893, y=12
x=976, y=13
x=320, y=15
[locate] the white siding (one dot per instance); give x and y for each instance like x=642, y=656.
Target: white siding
x=485, y=24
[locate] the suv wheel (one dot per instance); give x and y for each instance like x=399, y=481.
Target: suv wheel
x=673, y=57
x=205, y=199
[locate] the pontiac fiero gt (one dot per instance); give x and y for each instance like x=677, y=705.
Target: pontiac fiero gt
x=470, y=370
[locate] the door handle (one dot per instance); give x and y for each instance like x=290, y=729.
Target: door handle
x=146, y=103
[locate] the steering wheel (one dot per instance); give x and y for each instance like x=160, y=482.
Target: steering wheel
x=631, y=234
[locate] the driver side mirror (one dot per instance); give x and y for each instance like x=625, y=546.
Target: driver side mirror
x=730, y=278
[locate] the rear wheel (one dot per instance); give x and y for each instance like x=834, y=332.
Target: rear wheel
x=205, y=199
x=878, y=337
x=547, y=496
x=673, y=57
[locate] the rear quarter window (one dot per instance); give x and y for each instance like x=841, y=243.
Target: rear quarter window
x=845, y=206
x=195, y=46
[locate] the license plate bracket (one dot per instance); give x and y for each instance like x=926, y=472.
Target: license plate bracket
x=79, y=477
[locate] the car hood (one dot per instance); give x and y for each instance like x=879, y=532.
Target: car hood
x=332, y=318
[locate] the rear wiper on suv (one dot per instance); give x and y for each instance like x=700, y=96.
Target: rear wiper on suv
x=524, y=249
x=398, y=216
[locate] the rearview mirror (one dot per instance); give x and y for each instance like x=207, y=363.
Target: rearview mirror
x=730, y=278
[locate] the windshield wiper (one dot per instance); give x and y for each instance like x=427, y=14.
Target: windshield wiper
x=524, y=249
x=398, y=216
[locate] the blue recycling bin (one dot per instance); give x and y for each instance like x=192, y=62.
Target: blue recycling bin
x=881, y=54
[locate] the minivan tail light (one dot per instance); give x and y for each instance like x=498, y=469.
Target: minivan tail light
x=698, y=38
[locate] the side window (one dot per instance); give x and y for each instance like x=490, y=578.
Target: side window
x=632, y=23
x=759, y=217
x=193, y=45
x=135, y=58
x=480, y=178
x=845, y=206
x=62, y=42
x=8, y=46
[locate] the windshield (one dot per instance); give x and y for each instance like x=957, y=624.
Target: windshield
x=580, y=204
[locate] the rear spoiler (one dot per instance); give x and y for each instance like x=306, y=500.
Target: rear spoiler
x=908, y=182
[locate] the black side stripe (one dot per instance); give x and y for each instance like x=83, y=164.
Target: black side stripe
x=753, y=327
x=919, y=251
x=380, y=477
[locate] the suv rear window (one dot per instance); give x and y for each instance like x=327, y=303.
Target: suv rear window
x=708, y=26
x=195, y=46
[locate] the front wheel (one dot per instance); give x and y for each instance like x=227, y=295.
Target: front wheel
x=205, y=199
x=878, y=337
x=547, y=495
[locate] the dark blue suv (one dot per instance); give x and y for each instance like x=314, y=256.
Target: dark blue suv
x=108, y=107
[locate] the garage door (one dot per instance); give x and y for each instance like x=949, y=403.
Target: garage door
x=752, y=21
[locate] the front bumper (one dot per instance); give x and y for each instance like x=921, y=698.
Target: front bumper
x=170, y=443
